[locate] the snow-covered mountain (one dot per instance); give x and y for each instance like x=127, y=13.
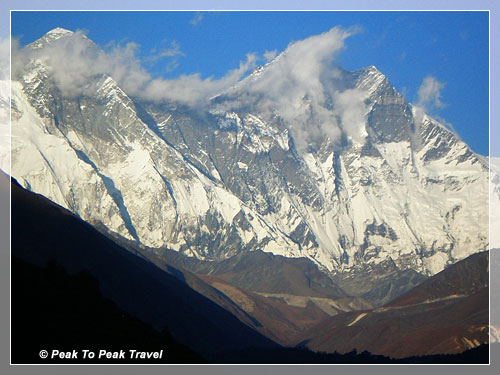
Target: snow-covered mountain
x=347, y=174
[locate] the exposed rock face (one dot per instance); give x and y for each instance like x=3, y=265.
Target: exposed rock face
x=213, y=182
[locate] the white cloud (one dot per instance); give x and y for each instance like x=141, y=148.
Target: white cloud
x=169, y=56
x=429, y=93
x=269, y=55
x=429, y=102
x=74, y=61
x=350, y=106
x=192, y=89
x=305, y=88
x=174, y=49
x=302, y=84
x=198, y=17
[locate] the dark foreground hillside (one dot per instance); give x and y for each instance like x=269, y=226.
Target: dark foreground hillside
x=478, y=355
x=54, y=310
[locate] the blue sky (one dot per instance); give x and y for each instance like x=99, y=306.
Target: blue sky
x=449, y=47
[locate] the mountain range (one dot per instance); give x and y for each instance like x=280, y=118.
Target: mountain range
x=287, y=217
x=236, y=177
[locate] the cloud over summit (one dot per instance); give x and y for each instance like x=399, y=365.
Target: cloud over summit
x=301, y=83
x=74, y=61
x=304, y=85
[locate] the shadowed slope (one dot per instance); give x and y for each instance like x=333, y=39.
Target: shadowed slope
x=54, y=310
x=44, y=232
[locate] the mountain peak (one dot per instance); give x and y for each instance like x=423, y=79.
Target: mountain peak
x=370, y=71
x=373, y=80
x=51, y=36
x=373, y=69
x=59, y=31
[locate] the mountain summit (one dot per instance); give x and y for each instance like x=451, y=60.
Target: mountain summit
x=52, y=35
x=338, y=169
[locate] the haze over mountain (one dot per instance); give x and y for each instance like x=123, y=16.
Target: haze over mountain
x=340, y=170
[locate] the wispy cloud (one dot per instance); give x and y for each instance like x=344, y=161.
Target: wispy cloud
x=304, y=86
x=170, y=56
x=75, y=61
x=302, y=83
x=269, y=55
x=429, y=101
x=193, y=89
x=174, y=49
x=429, y=93
x=197, y=18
